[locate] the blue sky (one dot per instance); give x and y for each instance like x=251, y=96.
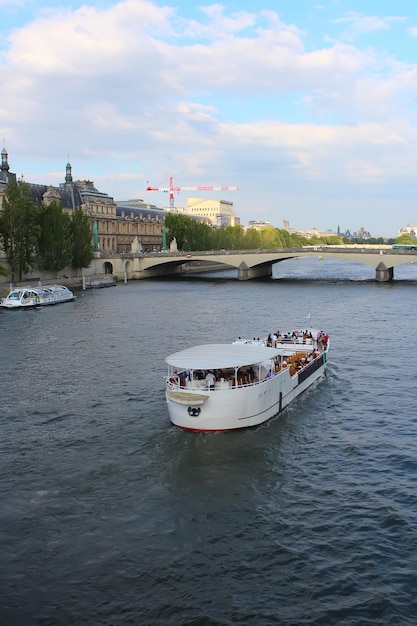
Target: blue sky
x=308, y=107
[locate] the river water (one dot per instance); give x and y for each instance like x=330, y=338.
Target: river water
x=110, y=515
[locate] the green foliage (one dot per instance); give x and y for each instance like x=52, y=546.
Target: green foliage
x=329, y=240
x=177, y=226
x=3, y=270
x=55, y=241
x=405, y=238
x=44, y=237
x=297, y=240
x=252, y=239
x=198, y=236
x=368, y=240
x=286, y=238
x=83, y=251
x=236, y=235
x=219, y=239
x=332, y=240
x=19, y=227
x=192, y=235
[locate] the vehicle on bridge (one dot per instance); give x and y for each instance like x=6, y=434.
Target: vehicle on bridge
x=404, y=246
x=245, y=383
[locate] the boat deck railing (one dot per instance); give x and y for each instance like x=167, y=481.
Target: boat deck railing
x=296, y=364
x=218, y=386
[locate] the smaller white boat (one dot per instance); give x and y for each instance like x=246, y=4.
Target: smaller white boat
x=27, y=297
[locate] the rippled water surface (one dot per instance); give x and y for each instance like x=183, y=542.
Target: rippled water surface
x=109, y=515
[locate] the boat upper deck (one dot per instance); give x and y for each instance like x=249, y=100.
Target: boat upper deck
x=243, y=362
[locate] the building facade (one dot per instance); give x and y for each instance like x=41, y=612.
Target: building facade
x=216, y=213
x=115, y=225
x=408, y=230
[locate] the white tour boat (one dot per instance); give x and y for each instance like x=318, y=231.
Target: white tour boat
x=26, y=297
x=245, y=383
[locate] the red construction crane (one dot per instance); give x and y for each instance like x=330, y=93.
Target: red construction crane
x=171, y=190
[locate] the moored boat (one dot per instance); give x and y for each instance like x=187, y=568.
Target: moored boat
x=27, y=297
x=244, y=383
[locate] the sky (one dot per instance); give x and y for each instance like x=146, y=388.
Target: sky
x=309, y=108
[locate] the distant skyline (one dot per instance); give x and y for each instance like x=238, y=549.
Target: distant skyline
x=308, y=107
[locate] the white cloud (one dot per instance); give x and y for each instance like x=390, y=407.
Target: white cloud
x=360, y=23
x=134, y=91
x=412, y=31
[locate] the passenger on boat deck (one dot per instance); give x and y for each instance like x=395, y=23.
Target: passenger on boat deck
x=210, y=379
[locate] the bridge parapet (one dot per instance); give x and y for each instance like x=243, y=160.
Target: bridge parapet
x=252, y=264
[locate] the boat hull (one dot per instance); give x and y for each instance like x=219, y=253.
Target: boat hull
x=242, y=407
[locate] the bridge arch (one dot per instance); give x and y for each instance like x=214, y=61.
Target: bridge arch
x=258, y=263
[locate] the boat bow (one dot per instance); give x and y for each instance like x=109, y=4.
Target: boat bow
x=188, y=398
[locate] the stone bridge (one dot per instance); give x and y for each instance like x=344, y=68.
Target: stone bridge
x=249, y=264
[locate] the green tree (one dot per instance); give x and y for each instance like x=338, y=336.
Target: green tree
x=192, y=235
x=198, y=236
x=332, y=240
x=405, y=238
x=270, y=238
x=19, y=227
x=286, y=238
x=219, y=239
x=235, y=236
x=177, y=226
x=55, y=242
x=252, y=239
x=83, y=250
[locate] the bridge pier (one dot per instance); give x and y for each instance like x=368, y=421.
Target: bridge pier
x=384, y=274
x=259, y=271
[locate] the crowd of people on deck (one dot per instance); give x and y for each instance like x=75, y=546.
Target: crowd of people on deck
x=318, y=339
x=295, y=362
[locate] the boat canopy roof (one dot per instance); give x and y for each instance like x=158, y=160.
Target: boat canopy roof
x=220, y=356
